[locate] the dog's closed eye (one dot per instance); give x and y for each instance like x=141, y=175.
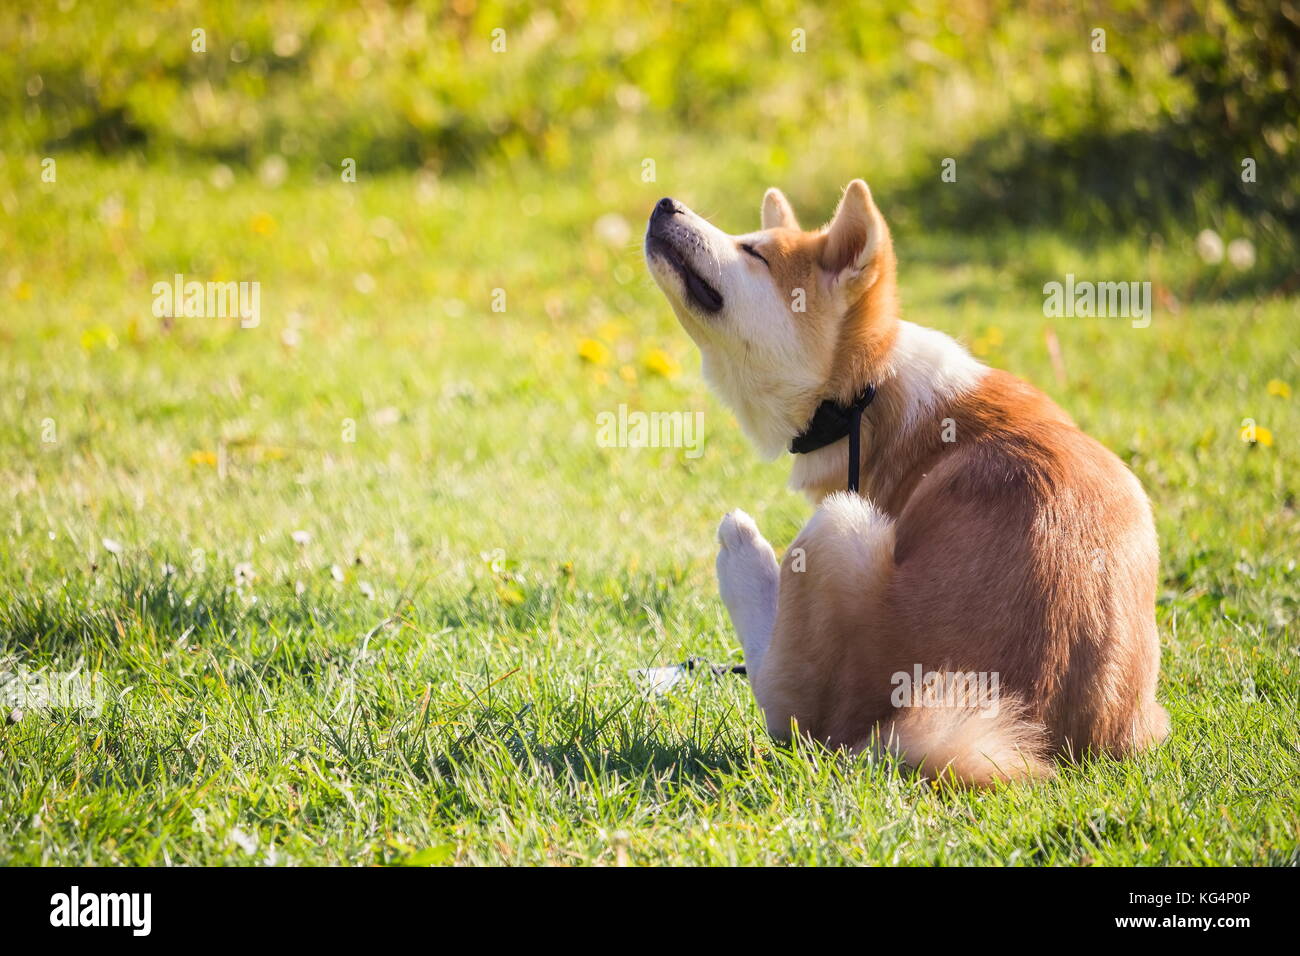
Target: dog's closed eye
x=754, y=252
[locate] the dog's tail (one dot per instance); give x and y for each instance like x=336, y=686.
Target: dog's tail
x=971, y=746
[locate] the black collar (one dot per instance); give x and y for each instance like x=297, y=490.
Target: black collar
x=831, y=422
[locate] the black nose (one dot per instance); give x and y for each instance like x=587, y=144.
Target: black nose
x=667, y=206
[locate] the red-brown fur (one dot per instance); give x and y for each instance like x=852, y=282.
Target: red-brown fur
x=1020, y=547
x=1024, y=548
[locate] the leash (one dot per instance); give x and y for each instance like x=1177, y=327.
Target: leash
x=660, y=680
x=717, y=669
x=831, y=422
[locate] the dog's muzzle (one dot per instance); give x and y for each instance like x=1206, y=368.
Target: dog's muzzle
x=666, y=238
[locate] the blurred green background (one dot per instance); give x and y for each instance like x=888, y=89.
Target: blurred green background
x=1147, y=136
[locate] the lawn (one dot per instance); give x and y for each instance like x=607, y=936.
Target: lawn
x=355, y=581
x=361, y=587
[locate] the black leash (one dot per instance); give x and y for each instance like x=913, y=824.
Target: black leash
x=660, y=680
x=831, y=422
x=718, y=669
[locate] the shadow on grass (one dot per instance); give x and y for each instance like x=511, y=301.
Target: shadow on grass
x=1094, y=184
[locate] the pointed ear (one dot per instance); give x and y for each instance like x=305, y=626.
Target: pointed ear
x=777, y=213
x=855, y=234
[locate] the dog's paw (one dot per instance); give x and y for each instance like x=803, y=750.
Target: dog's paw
x=747, y=568
x=738, y=531
x=748, y=579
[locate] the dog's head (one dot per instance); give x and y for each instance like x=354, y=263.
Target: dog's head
x=784, y=318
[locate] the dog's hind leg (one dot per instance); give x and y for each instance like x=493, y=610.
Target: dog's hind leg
x=824, y=670
x=748, y=579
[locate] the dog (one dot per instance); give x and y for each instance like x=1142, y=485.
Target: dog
x=984, y=543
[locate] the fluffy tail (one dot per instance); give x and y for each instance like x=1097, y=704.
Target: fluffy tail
x=970, y=746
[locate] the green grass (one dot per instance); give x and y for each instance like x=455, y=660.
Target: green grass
x=440, y=674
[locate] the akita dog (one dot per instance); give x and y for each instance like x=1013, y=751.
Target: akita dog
x=990, y=536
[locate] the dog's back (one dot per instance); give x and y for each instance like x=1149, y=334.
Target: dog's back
x=1028, y=550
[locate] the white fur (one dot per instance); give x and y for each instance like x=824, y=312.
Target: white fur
x=929, y=369
x=923, y=371
x=752, y=354
x=748, y=579
x=853, y=538
x=764, y=395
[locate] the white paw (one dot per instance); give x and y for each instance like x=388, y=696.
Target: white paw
x=747, y=568
x=737, y=530
x=748, y=578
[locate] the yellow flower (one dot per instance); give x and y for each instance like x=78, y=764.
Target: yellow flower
x=611, y=330
x=627, y=373
x=203, y=458
x=1253, y=434
x=1279, y=388
x=593, y=351
x=262, y=224
x=509, y=594
x=659, y=362
x=99, y=335
x=987, y=341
